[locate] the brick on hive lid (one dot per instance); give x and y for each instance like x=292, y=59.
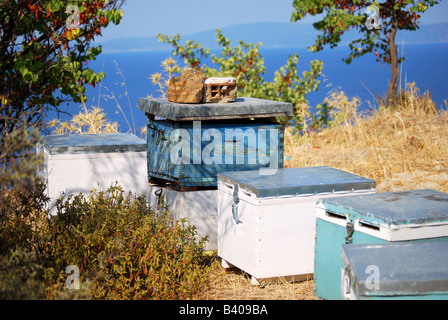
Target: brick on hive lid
x=220, y=89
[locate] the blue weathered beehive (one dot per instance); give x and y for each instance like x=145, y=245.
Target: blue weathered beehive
x=418, y=215
x=411, y=270
x=189, y=144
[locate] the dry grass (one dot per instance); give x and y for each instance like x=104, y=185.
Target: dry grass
x=401, y=148
x=236, y=285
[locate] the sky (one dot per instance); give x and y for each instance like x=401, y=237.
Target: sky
x=146, y=18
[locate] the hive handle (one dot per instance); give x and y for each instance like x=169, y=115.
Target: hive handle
x=236, y=200
x=160, y=133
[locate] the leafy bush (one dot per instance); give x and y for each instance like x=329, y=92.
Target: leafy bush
x=22, y=219
x=22, y=200
x=20, y=276
x=124, y=249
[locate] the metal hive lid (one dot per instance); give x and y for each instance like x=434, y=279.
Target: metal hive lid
x=412, y=268
x=293, y=181
x=93, y=143
x=243, y=107
x=405, y=207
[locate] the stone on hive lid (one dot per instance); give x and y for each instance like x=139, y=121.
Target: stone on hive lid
x=188, y=88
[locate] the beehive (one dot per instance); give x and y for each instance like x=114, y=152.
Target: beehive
x=189, y=144
x=198, y=207
x=403, y=271
x=266, y=223
x=417, y=215
x=78, y=163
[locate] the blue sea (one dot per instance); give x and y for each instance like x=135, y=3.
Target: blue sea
x=128, y=77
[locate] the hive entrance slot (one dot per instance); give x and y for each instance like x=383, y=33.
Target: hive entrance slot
x=335, y=215
x=368, y=226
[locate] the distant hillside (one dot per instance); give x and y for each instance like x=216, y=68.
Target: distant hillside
x=271, y=34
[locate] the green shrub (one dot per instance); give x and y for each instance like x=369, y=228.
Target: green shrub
x=22, y=214
x=20, y=276
x=124, y=249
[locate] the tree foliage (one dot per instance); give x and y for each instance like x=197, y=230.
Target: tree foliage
x=45, y=46
x=342, y=15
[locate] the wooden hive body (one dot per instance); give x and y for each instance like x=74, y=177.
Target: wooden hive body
x=78, y=163
x=266, y=224
x=236, y=148
x=198, y=207
x=239, y=135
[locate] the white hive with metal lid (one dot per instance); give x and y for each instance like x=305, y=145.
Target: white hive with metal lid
x=78, y=163
x=266, y=220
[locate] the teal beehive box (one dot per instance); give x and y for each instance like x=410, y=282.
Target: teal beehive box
x=419, y=215
x=395, y=271
x=189, y=144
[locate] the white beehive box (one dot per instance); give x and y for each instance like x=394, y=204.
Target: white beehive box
x=199, y=207
x=78, y=163
x=266, y=224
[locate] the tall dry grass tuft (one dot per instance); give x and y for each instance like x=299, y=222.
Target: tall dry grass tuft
x=401, y=147
x=92, y=121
